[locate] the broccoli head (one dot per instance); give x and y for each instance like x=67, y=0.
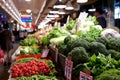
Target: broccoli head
x=114, y=54
x=97, y=47
x=62, y=48
x=114, y=43
x=102, y=40
x=78, y=55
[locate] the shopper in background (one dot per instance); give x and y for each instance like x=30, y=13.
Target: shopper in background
x=99, y=14
x=1, y=56
x=21, y=34
x=1, y=51
x=6, y=43
x=25, y=33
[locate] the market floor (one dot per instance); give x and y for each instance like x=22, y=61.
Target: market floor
x=4, y=75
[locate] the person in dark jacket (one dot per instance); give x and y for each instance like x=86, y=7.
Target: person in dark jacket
x=6, y=44
x=100, y=17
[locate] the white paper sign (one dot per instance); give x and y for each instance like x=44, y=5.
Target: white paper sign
x=82, y=17
x=45, y=53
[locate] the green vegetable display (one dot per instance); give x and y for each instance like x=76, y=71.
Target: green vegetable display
x=112, y=74
x=101, y=63
x=24, y=60
x=29, y=42
x=56, y=32
x=30, y=50
x=37, y=77
x=92, y=34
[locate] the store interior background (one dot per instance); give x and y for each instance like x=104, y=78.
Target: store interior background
x=37, y=17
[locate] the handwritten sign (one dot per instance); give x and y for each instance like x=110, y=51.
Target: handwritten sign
x=45, y=53
x=84, y=76
x=68, y=69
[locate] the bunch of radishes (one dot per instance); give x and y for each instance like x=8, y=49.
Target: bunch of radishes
x=30, y=68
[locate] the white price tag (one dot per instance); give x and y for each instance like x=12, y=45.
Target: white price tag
x=45, y=53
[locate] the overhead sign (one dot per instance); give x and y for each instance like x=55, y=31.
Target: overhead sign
x=26, y=18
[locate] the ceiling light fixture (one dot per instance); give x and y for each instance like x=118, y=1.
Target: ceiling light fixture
x=28, y=0
x=59, y=5
x=28, y=11
x=61, y=12
x=92, y=9
x=54, y=11
x=82, y=1
x=69, y=6
x=52, y=16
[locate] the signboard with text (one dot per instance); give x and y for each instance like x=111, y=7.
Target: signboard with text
x=84, y=76
x=68, y=69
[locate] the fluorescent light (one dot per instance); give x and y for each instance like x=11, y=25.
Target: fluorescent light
x=28, y=0
x=69, y=6
x=82, y=1
x=61, y=12
x=28, y=11
x=91, y=10
x=59, y=5
x=54, y=12
x=52, y=16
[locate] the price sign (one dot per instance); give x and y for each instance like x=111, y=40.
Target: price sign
x=68, y=69
x=84, y=76
x=82, y=17
x=56, y=55
x=45, y=53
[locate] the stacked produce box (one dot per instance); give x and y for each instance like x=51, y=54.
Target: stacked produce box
x=29, y=63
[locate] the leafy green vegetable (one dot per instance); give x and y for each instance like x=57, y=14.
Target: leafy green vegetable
x=24, y=60
x=71, y=24
x=92, y=18
x=92, y=34
x=78, y=68
x=30, y=50
x=36, y=77
x=29, y=42
x=101, y=63
x=112, y=74
x=55, y=33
